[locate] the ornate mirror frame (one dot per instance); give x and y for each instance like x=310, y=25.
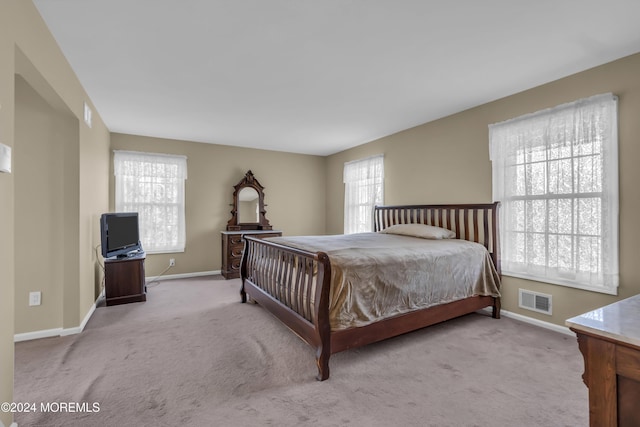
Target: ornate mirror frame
x=249, y=181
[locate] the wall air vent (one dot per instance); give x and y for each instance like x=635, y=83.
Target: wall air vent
x=534, y=301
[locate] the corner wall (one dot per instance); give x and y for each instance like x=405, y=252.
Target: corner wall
x=41, y=137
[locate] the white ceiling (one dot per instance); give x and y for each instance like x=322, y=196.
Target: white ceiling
x=321, y=76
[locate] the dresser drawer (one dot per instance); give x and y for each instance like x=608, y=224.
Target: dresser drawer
x=232, y=247
x=236, y=240
x=236, y=243
x=235, y=251
x=235, y=264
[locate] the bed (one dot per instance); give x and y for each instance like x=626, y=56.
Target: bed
x=346, y=291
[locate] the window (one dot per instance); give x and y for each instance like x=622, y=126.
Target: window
x=153, y=185
x=363, y=189
x=555, y=173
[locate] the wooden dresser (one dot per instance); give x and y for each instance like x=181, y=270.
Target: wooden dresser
x=232, y=246
x=609, y=340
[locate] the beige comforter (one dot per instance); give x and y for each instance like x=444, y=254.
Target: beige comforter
x=376, y=276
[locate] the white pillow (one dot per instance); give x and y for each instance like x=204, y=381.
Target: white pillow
x=420, y=230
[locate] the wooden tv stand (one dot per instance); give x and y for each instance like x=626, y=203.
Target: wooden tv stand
x=124, y=280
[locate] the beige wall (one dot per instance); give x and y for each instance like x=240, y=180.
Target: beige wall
x=442, y=161
x=7, y=271
x=36, y=82
x=447, y=161
x=294, y=195
x=41, y=134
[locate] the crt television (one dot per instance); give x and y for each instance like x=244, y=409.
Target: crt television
x=119, y=234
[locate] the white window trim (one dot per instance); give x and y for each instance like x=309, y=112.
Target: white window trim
x=363, y=165
x=179, y=247
x=610, y=192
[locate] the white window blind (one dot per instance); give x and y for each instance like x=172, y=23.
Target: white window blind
x=363, y=189
x=555, y=173
x=153, y=185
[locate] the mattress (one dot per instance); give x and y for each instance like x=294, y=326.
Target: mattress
x=376, y=276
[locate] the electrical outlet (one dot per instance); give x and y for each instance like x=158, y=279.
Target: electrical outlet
x=172, y=262
x=35, y=298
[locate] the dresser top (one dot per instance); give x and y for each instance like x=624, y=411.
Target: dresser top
x=251, y=232
x=619, y=321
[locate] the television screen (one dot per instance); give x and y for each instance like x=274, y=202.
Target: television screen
x=119, y=234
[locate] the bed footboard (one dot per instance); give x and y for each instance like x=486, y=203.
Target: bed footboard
x=293, y=285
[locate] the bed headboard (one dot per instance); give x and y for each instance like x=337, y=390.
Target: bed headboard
x=473, y=222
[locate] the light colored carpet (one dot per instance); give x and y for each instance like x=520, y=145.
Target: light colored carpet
x=193, y=355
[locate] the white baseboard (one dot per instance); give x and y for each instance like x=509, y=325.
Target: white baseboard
x=182, y=276
x=78, y=329
x=58, y=332
x=535, y=322
x=48, y=333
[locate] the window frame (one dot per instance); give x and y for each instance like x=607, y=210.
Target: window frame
x=507, y=145
x=358, y=177
x=173, y=183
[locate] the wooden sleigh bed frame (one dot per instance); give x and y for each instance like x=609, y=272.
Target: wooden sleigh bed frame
x=269, y=279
